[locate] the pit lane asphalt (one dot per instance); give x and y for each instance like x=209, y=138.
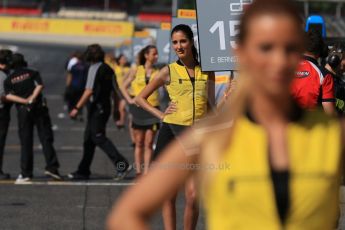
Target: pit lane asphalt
x=49, y=205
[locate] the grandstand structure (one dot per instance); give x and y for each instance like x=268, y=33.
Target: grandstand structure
x=150, y=13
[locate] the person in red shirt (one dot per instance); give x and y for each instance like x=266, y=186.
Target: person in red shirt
x=313, y=84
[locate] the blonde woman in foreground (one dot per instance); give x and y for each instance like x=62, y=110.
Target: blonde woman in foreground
x=284, y=161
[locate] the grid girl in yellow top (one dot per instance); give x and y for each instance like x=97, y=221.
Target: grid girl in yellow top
x=121, y=70
x=191, y=92
x=144, y=124
x=284, y=163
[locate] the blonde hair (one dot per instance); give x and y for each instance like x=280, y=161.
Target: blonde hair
x=214, y=135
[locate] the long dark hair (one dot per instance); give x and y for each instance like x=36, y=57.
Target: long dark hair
x=189, y=34
x=143, y=52
x=94, y=53
x=117, y=60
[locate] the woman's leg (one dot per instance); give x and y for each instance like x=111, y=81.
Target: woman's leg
x=191, y=212
x=149, y=138
x=131, y=130
x=169, y=213
x=139, y=136
x=122, y=113
x=165, y=136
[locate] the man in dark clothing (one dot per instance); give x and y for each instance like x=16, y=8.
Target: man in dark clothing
x=99, y=87
x=333, y=63
x=76, y=80
x=5, y=107
x=24, y=87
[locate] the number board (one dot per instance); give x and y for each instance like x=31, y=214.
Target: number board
x=139, y=44
x=218, y=26
x=189, y=22
x=163, y=45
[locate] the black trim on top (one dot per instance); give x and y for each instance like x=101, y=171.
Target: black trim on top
x=313, y=60
x=328, y=100
x=280, y=178
x=168, y=83
x=281, y=186
x=192, y=80
x=179, y=62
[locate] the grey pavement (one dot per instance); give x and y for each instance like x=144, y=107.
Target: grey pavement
x=56, y=206
x=65, y=205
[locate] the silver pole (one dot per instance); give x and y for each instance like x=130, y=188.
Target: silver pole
x=176, y=4
x=174, y=7
x=106, y=5
x=306, y=9
x=4, y=4
x=338, y=10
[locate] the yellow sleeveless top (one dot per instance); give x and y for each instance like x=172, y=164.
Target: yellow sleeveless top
x=120, y=74
x=191, y=101
x=139, y=83
x=243, y=196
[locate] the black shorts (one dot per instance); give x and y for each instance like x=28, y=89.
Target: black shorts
x=119, y=96
x=167, y=134
x=154, y=127
x=141, y=117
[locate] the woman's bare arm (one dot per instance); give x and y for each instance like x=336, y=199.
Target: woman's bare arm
x=68, y=79
x=16, y=99
x=160, y=80
x=128, y=80
x=231, y=86
x=36, y=92
x=136, y=206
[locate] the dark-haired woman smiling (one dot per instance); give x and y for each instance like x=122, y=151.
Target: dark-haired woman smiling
x=284, y=162
x=191, y=92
